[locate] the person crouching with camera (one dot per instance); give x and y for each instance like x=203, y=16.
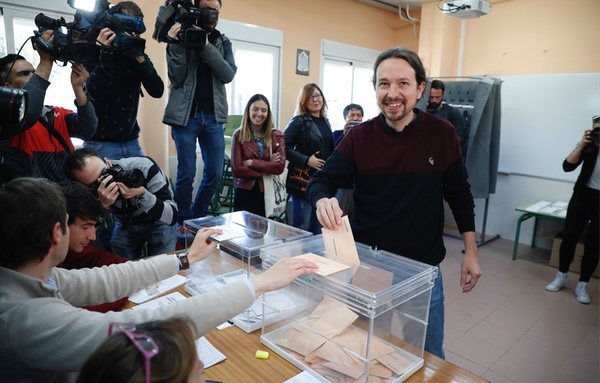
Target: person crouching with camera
x=138, y=193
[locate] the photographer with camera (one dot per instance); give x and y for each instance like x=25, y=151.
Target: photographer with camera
x=46, y=144
x=584, y=207
x=115, y=83
x=137, y=192
x=197, y=106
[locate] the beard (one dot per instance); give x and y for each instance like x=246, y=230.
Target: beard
x=431, y=106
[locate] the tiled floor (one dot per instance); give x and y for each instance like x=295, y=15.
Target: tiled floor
x=509, y=329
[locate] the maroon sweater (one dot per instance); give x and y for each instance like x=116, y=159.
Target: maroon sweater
x=400, y=180
x=94, y=257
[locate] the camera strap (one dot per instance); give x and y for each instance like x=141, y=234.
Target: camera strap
x=47, y=122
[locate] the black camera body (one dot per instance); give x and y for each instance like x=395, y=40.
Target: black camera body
x=195, y=23
x=66, y=46
x=133, y=178
x=13, y=105
x=595, y=135
x=123, y=26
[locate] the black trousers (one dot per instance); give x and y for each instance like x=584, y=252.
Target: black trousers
x=583, y=208
x=252, y=201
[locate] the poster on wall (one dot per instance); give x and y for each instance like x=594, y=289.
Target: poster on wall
x=302, y=62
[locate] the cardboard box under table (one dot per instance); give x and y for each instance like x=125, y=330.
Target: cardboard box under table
x=363, y=323
x=244, y=235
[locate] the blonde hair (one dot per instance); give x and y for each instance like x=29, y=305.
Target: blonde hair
x=304, y=97
x=267, y=127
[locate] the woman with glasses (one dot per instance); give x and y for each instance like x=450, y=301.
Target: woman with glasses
x=308, y=144
x=257, y=149
x=159, y=351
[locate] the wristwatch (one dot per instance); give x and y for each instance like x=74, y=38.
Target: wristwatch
x=184, y=262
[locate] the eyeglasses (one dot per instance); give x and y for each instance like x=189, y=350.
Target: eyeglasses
x=316, y=97
x=143, y=342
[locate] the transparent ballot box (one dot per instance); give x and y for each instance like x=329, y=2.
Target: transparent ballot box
x=362, y=322
x=245, y=234
x=283, y=303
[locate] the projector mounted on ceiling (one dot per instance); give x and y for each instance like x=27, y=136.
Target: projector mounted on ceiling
x=466, y=9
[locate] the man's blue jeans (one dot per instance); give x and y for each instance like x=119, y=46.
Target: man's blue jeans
x=434, y=340
x=304, y=216
x=203, y=127
x=129, y=241
x=115, y=150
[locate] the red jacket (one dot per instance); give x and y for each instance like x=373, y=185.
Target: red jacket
x=95, y=257
x=245, y=176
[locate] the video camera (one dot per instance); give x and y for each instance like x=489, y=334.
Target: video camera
x=76, y=41
x=133, y=178
x=66, y=46
x=195, y=23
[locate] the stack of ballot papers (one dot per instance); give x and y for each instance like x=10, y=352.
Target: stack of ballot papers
x=328, y=344
x=157, y=289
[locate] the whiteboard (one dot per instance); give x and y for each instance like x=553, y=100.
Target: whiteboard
x=543, y=118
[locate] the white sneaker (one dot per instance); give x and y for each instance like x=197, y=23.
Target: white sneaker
x=582, y=294
x=558, y=282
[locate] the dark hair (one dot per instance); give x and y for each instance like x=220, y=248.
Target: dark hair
x=30, y=208
x=349, y=107
x=405, y=54
x=118, y=360
x=304, y=97
x=130, y=8
x=5, y=63
x=81, y=203
x=438, y=84
x=246, y=128
x=75, y=161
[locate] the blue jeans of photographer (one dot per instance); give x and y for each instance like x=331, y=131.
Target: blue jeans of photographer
x=129, y=241
x=204, y=129
x=115, y=150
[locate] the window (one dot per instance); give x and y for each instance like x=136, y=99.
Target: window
x=257, y=53
x=347, y=78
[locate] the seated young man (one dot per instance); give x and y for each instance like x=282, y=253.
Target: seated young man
x=43, y=336
x=85, y=211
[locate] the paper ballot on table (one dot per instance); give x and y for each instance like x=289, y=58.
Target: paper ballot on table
x=160, y=302
x=326, y=266
x=340, y=243
x=228, y=233
x=157, y=289
x=207, y=353
x=303, y=377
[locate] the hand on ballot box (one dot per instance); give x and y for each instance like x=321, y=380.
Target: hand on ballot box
x=329, y=213
x=202, y=247
x=281, y=274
